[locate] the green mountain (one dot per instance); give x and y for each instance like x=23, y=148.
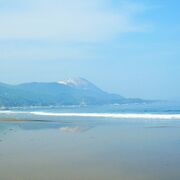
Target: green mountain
x=70, y=92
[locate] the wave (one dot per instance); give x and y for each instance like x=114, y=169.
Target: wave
x=99, y=115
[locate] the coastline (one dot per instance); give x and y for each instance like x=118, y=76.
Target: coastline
x=98, y=115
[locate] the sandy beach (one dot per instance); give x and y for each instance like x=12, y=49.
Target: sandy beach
x=89, y=149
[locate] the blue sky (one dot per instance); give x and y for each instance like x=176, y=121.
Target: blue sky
x=130, y=47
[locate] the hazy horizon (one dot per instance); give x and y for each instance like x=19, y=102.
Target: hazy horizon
x=126, y=47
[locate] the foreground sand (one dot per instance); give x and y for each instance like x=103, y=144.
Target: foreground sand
x=89, y=149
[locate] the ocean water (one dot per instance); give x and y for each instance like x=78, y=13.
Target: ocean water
x=156, y=110
x=128, y=142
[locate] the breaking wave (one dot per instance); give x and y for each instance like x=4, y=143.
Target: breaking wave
x=100, y=115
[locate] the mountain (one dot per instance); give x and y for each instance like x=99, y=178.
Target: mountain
x=76, y=91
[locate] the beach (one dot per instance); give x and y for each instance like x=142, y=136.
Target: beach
x=89, y=90
x=89, y=148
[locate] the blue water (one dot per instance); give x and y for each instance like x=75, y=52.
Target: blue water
x=43, y=147
x=153, y=108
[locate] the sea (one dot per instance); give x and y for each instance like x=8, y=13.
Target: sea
x=126, y=141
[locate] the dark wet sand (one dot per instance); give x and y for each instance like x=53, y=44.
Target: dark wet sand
x=102, y=149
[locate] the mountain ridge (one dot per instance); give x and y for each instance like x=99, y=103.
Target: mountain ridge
x=78, y=91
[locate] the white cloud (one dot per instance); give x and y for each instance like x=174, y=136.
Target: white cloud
x=69, y=20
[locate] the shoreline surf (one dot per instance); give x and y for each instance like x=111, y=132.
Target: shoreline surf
x=99, y=115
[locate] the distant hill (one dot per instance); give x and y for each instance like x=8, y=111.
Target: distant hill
x=69, y=92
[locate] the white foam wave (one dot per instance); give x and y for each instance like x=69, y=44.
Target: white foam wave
x=13, y=112
x=99, y=115
x=110, y=115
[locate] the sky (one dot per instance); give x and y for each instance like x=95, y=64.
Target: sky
x=129, y=47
